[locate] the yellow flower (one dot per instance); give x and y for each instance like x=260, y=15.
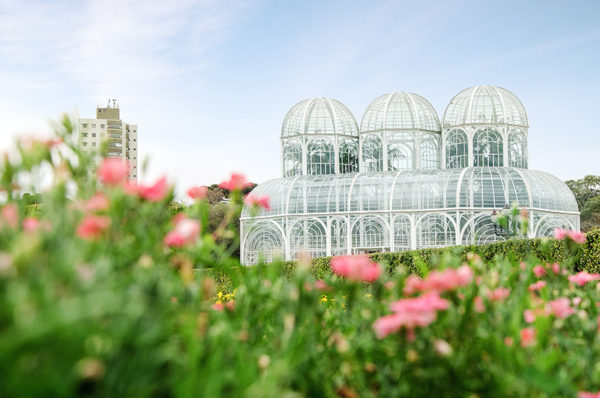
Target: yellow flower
x=220, y=294
x=323, y=298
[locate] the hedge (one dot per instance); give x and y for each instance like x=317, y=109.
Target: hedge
x=546, y=250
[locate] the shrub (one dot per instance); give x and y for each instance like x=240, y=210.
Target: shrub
x=106, y=292
x=590, y=261
x=546, y=250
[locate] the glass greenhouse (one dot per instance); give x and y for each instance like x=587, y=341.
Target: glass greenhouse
x=402, y=181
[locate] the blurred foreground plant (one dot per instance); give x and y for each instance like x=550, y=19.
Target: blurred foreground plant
x=104, y=292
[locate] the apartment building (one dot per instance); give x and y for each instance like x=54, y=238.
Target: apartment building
x=108, y=136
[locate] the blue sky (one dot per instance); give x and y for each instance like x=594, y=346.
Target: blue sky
x=209, y=82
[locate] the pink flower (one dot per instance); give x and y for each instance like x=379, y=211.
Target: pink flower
x=9, y=215
x=556, y=268
x=576, y=236
x=499, y=294
x=539, y=271
x=186, y=232
x=478, y=304
x=356, y=268
x=31, y=224
x=113, y=171
x=440, y=281
x=561, y=307
x=537, y=286
x=92, y=227
x=559, y=233
x=197, y=192
x=410, y=313
x=236, y=182
x=260, y=201
x=508, y=341
x=321, y=285
x=528, y=337
x=155, y=192
x=427, y=302
x=583, y=277
x=386, y=325
x=576, y=301
x=413, y=284
x=585, y=394
x=97, y=202
x=529, y=316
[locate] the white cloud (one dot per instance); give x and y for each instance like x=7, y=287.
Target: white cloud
x=57, y=55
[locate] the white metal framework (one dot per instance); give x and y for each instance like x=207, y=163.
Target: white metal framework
x=416, y=187
x=485, y=126
x=392, y=211
x=400, y=131
x=319, y=136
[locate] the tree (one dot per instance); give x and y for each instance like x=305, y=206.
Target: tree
x=587, y=195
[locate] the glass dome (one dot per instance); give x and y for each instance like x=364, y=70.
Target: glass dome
x=473, y=187
x=319, y=116
x=400, y=111
x=485, y=105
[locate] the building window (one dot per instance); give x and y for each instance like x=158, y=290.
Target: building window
x=84, y=143
x=348, y=156
x=102, y=126
x=84, y=134
x=401, y=152
x=457, y=150
x=321, y=157
x=372, y=154
x=487, y=148
x=517, y=149
x=93, y=144
x=84, y=125
x=292, y=159
x=93, y=126
x=93, y=134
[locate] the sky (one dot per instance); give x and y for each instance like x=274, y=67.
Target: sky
x=209, y=82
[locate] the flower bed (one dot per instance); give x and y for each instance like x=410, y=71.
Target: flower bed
x=98, y=297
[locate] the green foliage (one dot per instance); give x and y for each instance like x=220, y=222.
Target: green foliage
x=546, y=250
x=123, y=313
x=515, y=250
x=587, y=194
x=590, y=261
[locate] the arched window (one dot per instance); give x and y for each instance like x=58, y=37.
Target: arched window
x=457, y=150
x=430, y=158
x=401, y=233
x=517, y=149
x=348, y=156
x=292, y=159
x=264, y=243
x=321, y=157
x=339, y=234
x=372, y=151
x=369, y=234
x=435, y=230
x=308, y=237
x=401, y=150
x=487, y=148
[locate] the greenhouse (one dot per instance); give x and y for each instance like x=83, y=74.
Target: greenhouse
x=403, y=180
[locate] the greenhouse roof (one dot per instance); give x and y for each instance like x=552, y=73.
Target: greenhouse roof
x=414, y=190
